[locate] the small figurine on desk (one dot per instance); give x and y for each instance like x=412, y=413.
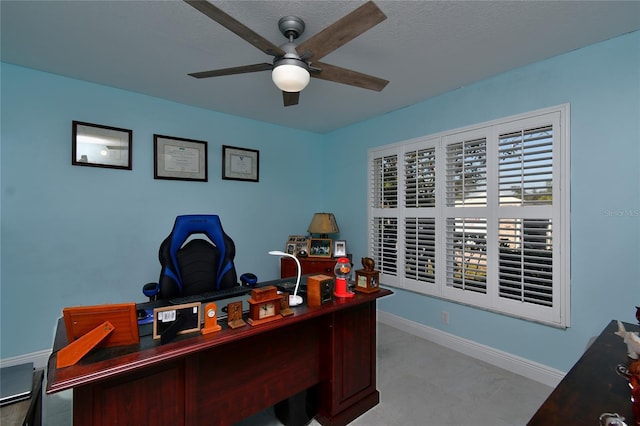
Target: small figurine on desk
x=368, y=264
x=631, y=339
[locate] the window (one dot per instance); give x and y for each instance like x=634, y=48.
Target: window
x=478, y=215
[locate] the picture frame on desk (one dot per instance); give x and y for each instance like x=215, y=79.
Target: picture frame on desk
x=320, y=247
x=179, y=159
x=300, y=244
x=291, y=249
x=339, y=248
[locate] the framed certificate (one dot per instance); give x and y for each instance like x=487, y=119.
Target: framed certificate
x=179, y=159
x=240, y=163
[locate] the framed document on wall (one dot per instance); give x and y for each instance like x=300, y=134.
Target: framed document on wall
x=240, y=163
x=179, y=159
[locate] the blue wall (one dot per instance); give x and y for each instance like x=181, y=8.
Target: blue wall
x=81, y=235
x=77, y=236
x=602, y=84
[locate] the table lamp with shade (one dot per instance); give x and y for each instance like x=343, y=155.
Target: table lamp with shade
x=323, y=224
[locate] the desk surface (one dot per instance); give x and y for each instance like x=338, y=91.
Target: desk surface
x=592, y=386
x=223, y=377
x=103, y=363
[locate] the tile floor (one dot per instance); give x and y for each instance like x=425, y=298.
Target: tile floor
x=420, y=384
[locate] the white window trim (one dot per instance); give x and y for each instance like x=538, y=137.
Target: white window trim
x=559, y=314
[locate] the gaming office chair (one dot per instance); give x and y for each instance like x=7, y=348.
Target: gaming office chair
x=197, y=267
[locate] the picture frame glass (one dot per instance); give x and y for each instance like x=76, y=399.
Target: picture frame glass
x=240, y=163
x=179, y=159
x=339, y=248
x=297, y=245
x=96, y=145
x=320, y=247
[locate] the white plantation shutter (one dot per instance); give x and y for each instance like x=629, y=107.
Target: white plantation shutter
x=420, y=249
x=467, y=173
x=383, y=218
x=420, y=178
x=478, y=215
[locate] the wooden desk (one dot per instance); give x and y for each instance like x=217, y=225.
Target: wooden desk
x=592, y=386
x=221, y=378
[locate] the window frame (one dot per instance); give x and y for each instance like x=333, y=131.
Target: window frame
x=417, y=260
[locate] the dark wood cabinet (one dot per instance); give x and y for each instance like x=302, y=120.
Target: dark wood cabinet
x=592, y=386
x=310, y=265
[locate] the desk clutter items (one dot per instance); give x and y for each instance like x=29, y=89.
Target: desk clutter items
x=319, y=290
x=210, y=319
x=88, y=327
x=342, y=271
x=367, y=278
x=234, y=315
x=631, y=339
x=170, y=321
x=264, y=305
x=285, y=308
x=297, y=245
x=634, y=384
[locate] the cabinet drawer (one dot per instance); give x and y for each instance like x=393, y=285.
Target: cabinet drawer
x=309, y=266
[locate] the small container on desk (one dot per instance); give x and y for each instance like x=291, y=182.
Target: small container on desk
x=367, y=281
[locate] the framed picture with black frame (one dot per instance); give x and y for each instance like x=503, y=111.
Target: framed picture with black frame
x=95, y=145
x=179, y=158
x=240, y=163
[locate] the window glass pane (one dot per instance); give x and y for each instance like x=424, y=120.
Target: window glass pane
x=526, y=166
x=467, y=173
x=420, y=178
x=467, y=254
x=384, y=244
x=526, y=260
x=420, y=249
x=385, y=182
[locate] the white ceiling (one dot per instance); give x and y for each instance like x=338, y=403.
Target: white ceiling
x=424, y=48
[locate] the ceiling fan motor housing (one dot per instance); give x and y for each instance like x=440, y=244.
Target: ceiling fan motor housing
x=291, y=26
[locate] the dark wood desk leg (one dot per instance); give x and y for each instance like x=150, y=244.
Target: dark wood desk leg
x=349, y=388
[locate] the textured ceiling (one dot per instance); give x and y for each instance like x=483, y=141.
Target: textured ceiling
x=424, y=48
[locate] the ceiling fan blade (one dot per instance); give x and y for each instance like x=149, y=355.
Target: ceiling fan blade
x=231, y=71
x=349, y=77
x=342, y=31
x=290, y=98
x=236, y=27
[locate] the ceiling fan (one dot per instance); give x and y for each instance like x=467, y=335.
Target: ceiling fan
x=294, y=64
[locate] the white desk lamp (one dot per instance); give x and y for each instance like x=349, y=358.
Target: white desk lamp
x=294, y=299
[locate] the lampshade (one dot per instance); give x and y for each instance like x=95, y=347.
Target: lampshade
x=323, y=223
x=290, y=77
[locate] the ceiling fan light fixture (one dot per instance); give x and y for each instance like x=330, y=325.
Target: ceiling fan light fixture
x=290, y=77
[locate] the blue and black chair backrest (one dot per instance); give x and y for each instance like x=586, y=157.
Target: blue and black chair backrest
x=197, y=266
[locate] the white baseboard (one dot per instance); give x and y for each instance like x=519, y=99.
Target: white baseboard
x=513, y=363
x=39, y=359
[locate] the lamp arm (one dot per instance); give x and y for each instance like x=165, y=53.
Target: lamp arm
x=295, y=296
x=295, y=291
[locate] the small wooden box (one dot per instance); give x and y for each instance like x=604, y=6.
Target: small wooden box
x=367, y=281
x=319, y=290
x=264, y=293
